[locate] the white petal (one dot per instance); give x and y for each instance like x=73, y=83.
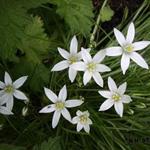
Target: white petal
x=56, y=118
x=126, y=99
x=87, y=49
x=87, y=128
x=2, y=85
x=80, y=66
x=63, y=53
x=106, y=105
x=4, y=97
x=130, y=33
x=74, y=45
x=102, y=68
x=5, y=110
x=51, y=95
x=119, y=36
x=111, y=84
x=9, y=101
x=2, y=92
x=73, y=103
x=89, y=121
x=86, y=56
x=140, y=45
x=48, y=109
x=63, y=93
x=80, y=54
x=72, y=74
x=66, y=114
x=19, y=82
x=106, y=94
x=125, y=61
x=119, y=108
x=79, y=127
x=86, y=113
x=20, y=95
x=86, y=77
x=98, y=79
x=139, y=60
x=79, y=113
x=75, y=120
x=114, y=51
x=7, y=79
x=122, y=88
x=99, y=56
x=61, y=66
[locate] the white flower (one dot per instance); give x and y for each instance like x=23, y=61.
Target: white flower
x=128, y=49
x=70, y=58
x=60, y=105
x=115, y=97
x=4, y=109
x=10, y=89
x=82, y=120
x=91, y=66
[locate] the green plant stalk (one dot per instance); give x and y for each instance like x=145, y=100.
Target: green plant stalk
x=97, y=24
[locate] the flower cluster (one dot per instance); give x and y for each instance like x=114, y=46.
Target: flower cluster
x=93, y=68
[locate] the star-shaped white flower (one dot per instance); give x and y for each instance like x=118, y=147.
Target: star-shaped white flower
x=70, y=58
x=91, y=66
x=4, y=109
x=60, y=105
x=82, y=120
x=9, y=90
x=128, y=49
x=115, y=97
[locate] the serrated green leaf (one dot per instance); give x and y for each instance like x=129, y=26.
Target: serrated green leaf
x=77, y=14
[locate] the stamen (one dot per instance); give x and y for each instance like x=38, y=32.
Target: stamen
x=83, y=119
x=72, y=59
x=128, y=48
x=9, y=89
x=116, y=97
x=91, y=67
x=59, y=105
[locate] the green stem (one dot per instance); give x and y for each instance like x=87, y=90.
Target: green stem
x=92, y=38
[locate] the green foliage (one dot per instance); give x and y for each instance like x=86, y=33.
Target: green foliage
x=106, y=14
x=77, y=14
x=51, y=144
x=10, y=147
x=30, y=32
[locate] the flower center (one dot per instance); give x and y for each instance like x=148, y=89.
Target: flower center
x=128, y=48
x=9, y=89
x=73, y=59
x=59, y=105
x=91, y=67
x=83, y=119
x=116, y=97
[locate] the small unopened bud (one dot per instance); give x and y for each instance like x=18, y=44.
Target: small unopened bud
x=1, y=126
x=82, y=98
x=24, y=111
x=140, y=105
x=26, y=101
x=130, y=111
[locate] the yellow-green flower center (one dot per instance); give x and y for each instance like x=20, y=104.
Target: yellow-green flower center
x=83, y=119
x=91, y=67
x=128, y=48
x=59, y=105
x=73, y=59
x=9, y=89
x=116, y=97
